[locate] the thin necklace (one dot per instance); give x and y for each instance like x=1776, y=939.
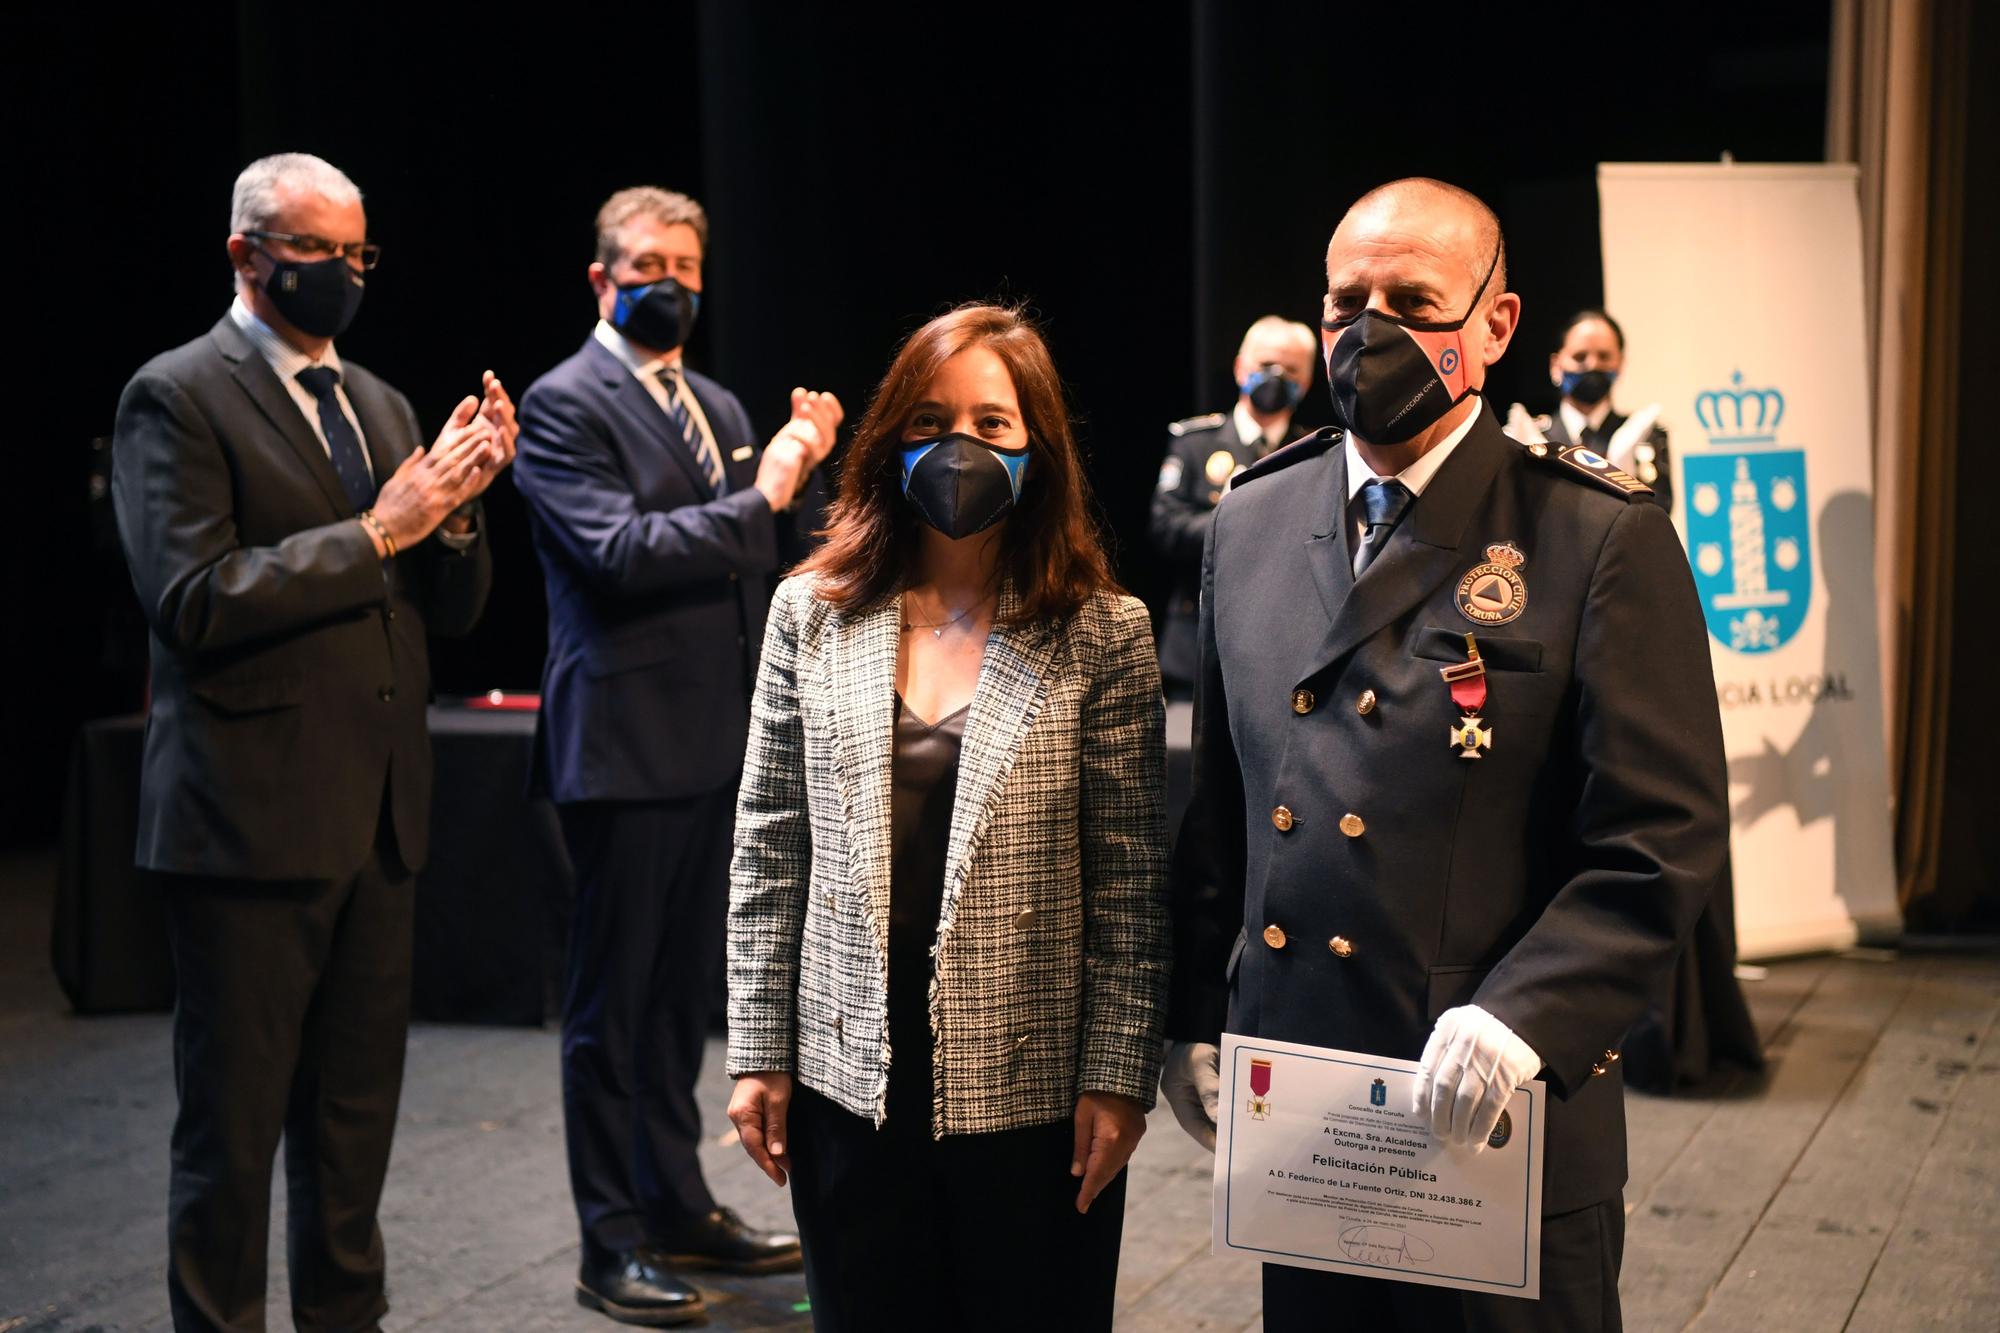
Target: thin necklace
x=938, y=627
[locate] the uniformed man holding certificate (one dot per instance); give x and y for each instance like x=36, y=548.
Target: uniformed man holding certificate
x=1459, y=788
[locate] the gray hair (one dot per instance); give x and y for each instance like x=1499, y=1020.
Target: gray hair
x=257, y=197
x=1281, y=326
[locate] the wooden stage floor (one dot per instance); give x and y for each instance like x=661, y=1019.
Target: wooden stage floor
x=1854, y=1185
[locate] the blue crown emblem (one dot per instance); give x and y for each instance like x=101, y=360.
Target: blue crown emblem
x=1737, y=415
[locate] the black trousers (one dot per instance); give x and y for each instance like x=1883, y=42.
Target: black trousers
x=970, y=1232
x=292, y=1002
x=1581, y=1252
x=645, y=950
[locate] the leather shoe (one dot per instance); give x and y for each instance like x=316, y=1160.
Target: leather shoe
x=722, y=1241
x=634, y=1287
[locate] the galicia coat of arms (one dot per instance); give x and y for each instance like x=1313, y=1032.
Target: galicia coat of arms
x=1749, y=527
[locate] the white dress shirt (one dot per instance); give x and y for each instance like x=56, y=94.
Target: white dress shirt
x=1414, y=477
x=648, y=375
x=1575, y=421
x=1252, y=434
x=287, y=361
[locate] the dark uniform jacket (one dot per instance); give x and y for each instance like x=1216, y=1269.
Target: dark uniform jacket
x=290, y=672
x=1650, y=462
x=1203, y=453
x=658, y=588
x=1344, y=875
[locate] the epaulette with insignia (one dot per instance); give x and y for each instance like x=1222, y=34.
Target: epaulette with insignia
x=1577, y=461
x=1298, y=451
x=1208, y=421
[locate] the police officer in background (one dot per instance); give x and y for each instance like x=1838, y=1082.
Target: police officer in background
x=1501, y=907
x=1274, y=368
x=1590, y=353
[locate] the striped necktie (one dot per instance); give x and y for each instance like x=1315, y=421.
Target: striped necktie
x=706, y=456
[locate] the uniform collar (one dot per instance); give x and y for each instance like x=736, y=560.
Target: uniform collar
x=1575, y=421
x=1418, y=474
x=1251, y=434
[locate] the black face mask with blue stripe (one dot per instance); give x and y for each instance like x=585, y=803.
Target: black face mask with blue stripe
x=658, y=314
x=961, y=485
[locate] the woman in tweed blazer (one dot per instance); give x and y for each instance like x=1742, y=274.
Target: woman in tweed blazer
x=946, y=980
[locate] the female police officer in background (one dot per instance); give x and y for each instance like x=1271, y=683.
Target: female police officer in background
x=1589, y=354
x=948, y=941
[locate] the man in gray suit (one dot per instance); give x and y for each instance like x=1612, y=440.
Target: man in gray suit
x=291, y=542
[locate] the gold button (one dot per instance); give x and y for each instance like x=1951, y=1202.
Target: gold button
x=1025, y=918
x=1539, y=450
x=1341, y=946
x=1598, y=1071
x=1303, y=701
x=1366, y=703
x=1351, y=825
x=1281, y=819
x=1274, y=936
x=1611, y=1057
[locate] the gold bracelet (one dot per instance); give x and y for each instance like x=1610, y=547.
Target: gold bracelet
x=374, y=525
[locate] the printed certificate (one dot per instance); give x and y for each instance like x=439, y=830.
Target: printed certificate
x=1319, y=1164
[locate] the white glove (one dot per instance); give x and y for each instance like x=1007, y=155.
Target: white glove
x=1191, y=1081
x=1471, y=1067
x=1522, y=427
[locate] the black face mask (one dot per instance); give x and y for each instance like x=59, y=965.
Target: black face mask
x=658, y=314
x=319, y=297
x=1271, y=391
x=1392, y=378
x=1589, y=387
x=960, y=485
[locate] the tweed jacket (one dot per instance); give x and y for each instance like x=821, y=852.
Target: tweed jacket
x=1054, y=938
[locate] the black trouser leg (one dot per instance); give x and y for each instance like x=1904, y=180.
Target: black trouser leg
x=645, y=939
x=342, y=1116
x=291, y=1001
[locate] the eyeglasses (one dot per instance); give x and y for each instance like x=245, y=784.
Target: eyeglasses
x=369, y=253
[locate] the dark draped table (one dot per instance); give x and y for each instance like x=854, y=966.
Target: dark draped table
x=492, y=905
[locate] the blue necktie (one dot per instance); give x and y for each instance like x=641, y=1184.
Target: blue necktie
x=1385, y=502
x=706, y=456
x=349, y=463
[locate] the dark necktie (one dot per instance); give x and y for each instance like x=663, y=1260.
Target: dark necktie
x=342, y=444
x=1384, y=502
x=706, y=456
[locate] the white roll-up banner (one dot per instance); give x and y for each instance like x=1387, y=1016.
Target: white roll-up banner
x=1739, y=290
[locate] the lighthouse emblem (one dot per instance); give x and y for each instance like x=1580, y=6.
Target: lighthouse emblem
x=1748, y=524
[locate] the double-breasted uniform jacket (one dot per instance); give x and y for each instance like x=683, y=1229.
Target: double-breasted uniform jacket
x=290, y=669
x=1345, y=875
x=1053, y=943
x=1651, y=461
x=1203, y=453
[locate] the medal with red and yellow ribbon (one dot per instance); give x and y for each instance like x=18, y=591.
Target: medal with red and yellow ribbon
x=1467, y=681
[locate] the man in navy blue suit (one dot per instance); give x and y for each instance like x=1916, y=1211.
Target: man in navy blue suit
x=660, y=526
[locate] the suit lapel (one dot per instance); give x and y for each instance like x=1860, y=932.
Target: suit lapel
x=636, y=401
x=860, y=679
x=382, y=427
x=1424, y=549
x=1329, y=551
x=1013, y=683
x=1558, y=431
x=256, y=378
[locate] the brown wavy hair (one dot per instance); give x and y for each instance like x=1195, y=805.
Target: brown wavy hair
x=1049, y=549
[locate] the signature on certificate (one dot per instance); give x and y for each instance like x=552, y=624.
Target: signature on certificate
x=1374, y=1244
